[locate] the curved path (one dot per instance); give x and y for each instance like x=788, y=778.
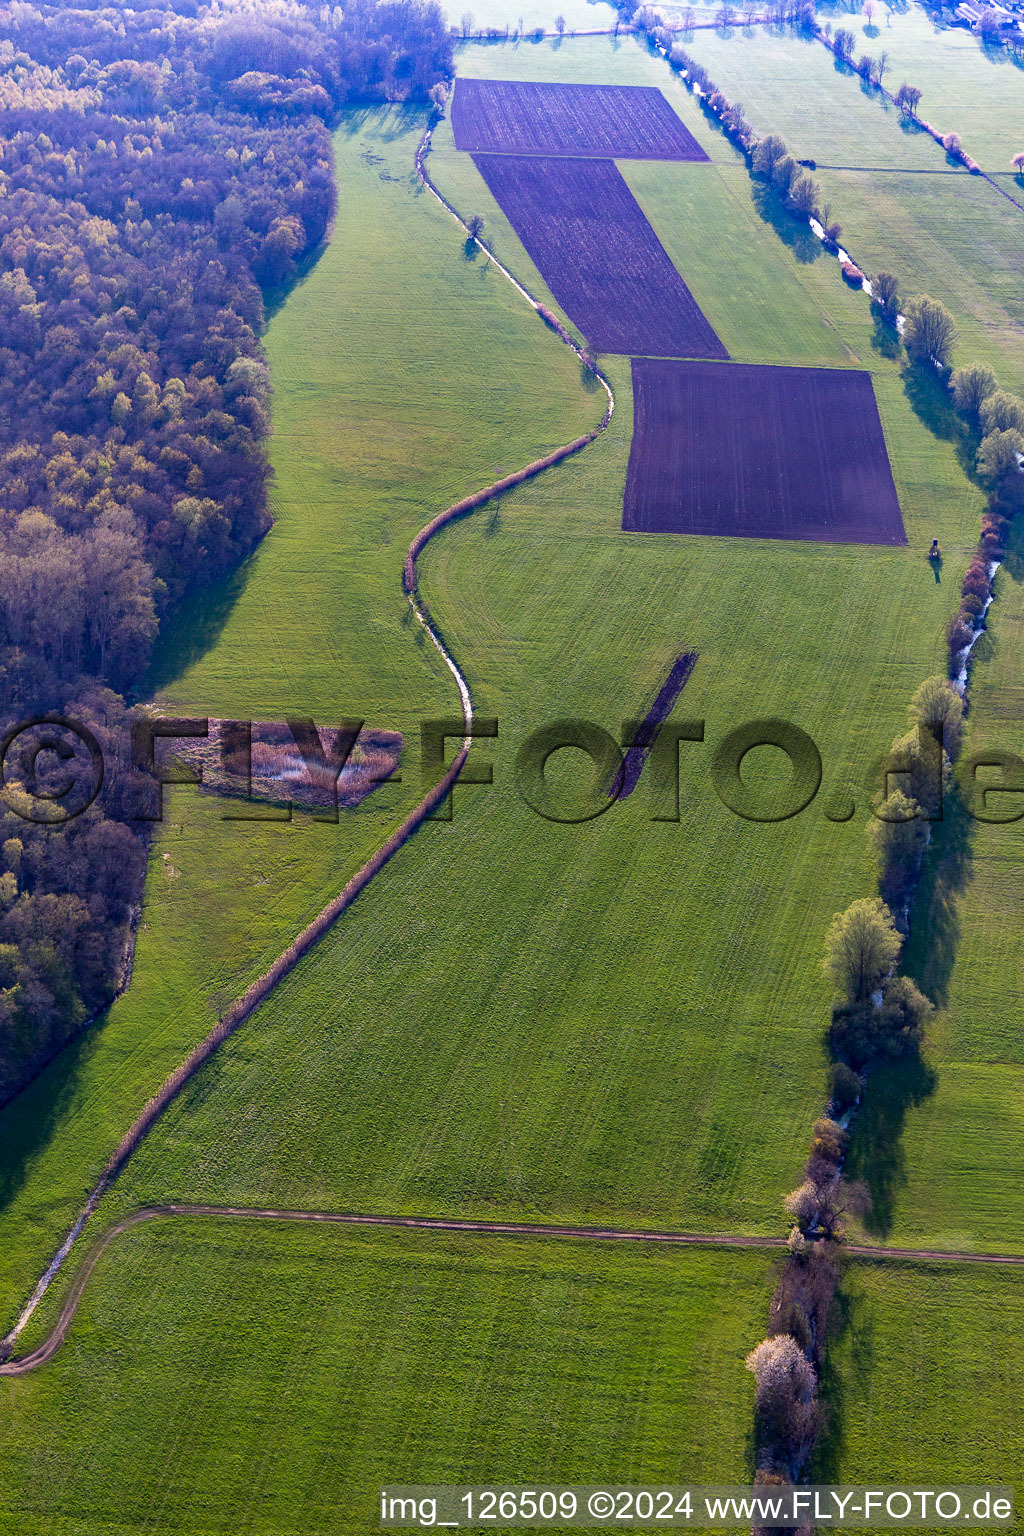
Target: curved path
x=261, y=988
x=52, y=1344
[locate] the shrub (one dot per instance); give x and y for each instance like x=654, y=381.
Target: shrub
x=995, y=526
x=951, y=144
x=820, y=1276
x=999, y=456
x=802, y=1204
x=905, y=1012
x=929, y=332
x=971, y=608
x=937, y=706
x=844, y=1086
x=1001, y=412
x=852, y=274
x=971, y=387
x=977, y=579
x=828, y=1140
x=861, y=948
x=861, y=1032
x=898, y=836
x=960, y=636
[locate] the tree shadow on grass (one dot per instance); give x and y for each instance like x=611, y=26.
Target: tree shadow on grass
x=931, y=403
x=876, y=1146
x=1013, y=560
x=930, y=950
x=884, y=338
x=800, y=238
x=195, y=627
x=849, y=1320
x=31, y=1119
x=588, y=378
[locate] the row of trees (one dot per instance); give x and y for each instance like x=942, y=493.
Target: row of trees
x=162, y=172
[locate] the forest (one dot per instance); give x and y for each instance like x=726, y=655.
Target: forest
x=164, y=173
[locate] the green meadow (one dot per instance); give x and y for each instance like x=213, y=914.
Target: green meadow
x=227, y=1376
x=924, y=1380
x=790, y=84
x=385, y=410
x=969, y=87
x=615, y=1020
x=945, y=233
x=501, y=1025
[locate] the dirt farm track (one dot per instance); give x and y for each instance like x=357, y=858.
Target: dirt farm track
x=512, y=1229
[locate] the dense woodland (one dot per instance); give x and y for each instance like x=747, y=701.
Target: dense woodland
x=162, y=173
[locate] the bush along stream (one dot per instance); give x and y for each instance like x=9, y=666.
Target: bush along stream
x=879, y=1017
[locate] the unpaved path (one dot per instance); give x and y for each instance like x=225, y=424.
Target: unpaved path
x=241, y=1010
x=49, y=1348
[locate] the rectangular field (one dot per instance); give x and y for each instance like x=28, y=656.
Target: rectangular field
x=530, y=117
x=590, y=240
x=759, y=453
x=305, y=1368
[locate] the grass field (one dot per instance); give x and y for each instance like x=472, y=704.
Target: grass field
x=925, y=1384
x=505, y=1034
x=954, y=1179
x=969, y=88
x=229, y=1377
x=945, y=233
x=378, y=425
x=952, y=237
x=619, y=1020
x=790, y=84
x=520, y=15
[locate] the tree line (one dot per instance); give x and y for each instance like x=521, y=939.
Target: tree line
x=163, y=172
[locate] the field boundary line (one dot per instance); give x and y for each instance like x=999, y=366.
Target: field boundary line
x=423, y=150
x=932, y=132
x=260, y=989
x=459, y=1226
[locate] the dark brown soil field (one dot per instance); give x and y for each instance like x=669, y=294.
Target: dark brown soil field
x=634, y=758
x=753, y=452
x=592, y=244
x=521, y=117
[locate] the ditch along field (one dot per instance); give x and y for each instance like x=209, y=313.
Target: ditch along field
x=378, y=422
x=946, y=233
x=955, y=1179
x=225, y=1376
x=618, y=1021
x=969, y=89
x=944, y=1147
